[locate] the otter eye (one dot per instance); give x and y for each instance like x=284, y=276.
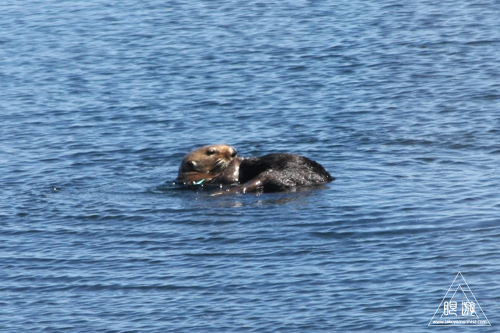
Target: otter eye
x=211, y=151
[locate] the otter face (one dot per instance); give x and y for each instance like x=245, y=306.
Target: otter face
x=206, y=162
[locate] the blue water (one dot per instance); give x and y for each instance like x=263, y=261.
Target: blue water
x=100, y=100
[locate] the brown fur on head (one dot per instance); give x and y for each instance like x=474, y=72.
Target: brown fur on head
x=205, y=162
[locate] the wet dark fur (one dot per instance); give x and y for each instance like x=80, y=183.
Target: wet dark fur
x=280, y=172
x=272, y=173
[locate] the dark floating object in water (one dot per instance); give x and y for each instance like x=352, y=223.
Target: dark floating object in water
x=218, y=166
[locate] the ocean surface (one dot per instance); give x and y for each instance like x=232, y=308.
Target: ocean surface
x=100, y=100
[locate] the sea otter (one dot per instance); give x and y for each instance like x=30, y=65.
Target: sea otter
x=219, y=166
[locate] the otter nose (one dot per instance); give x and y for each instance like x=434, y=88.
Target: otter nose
x=191, y=165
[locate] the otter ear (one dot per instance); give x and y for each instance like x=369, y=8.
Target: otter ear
x=235, y=152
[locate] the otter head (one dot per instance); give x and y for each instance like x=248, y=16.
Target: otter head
x=205, y=163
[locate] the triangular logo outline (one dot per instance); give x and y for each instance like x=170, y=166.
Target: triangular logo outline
x=476, y=321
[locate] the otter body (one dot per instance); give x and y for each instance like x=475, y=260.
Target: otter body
x=268, y=173
x=280, y=172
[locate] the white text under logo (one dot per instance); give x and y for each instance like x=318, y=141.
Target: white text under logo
x=459, y=307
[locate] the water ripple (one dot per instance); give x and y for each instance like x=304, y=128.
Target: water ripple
x=399, y=101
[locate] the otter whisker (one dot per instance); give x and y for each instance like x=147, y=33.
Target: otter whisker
x=219, y=165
